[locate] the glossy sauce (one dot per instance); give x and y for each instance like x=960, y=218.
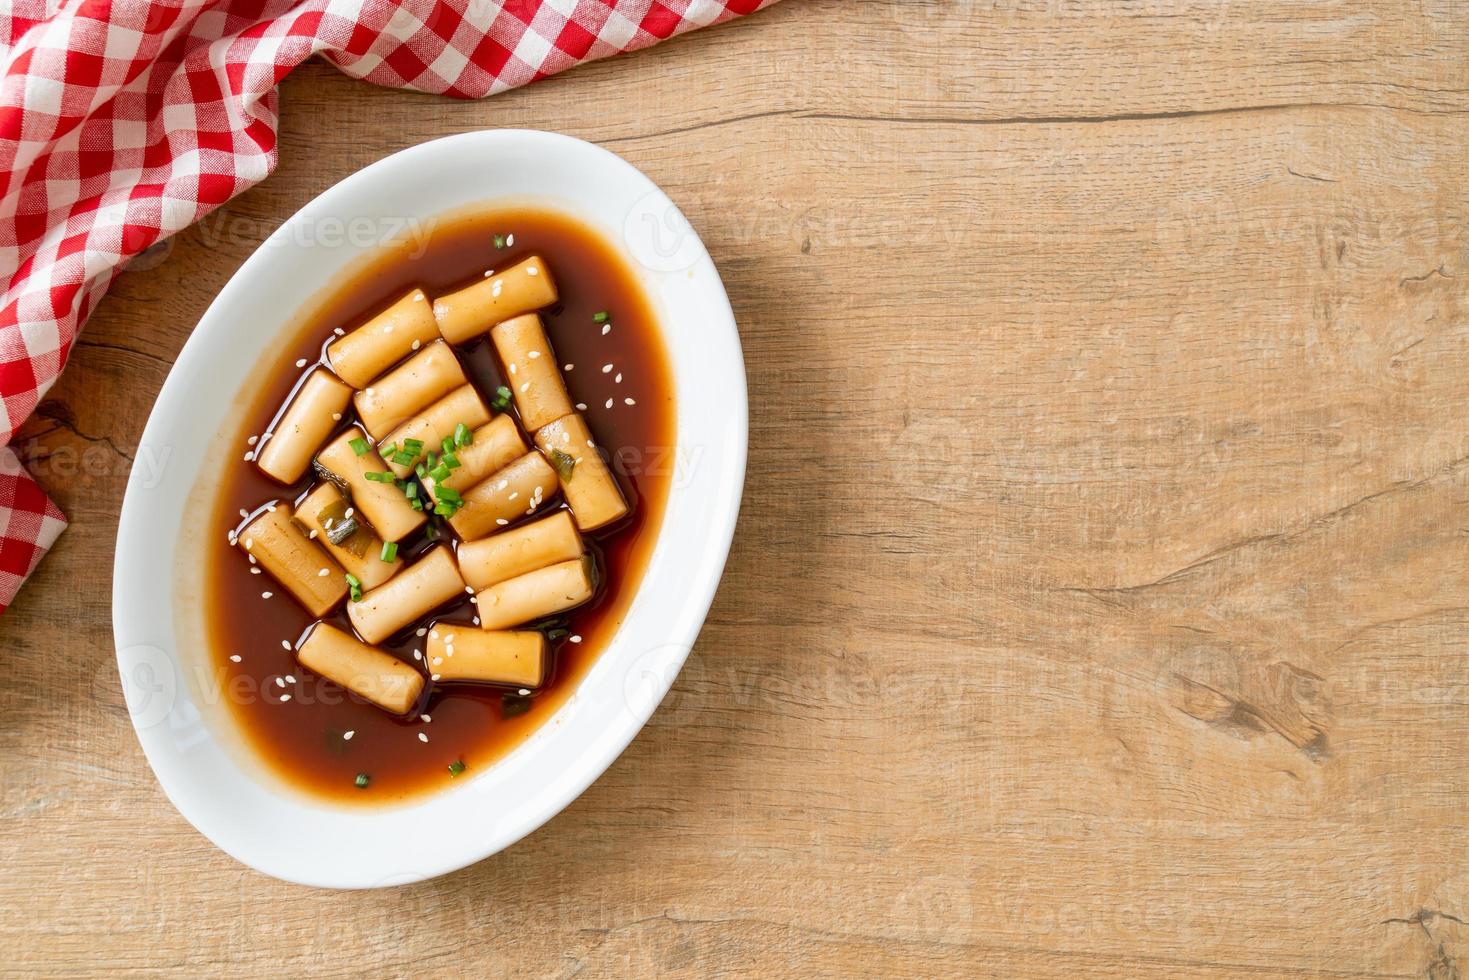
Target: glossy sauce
x=302, y=739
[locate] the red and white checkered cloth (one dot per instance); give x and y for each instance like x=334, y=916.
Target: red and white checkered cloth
x=123, y=121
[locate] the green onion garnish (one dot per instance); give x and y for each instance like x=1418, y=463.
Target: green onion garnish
x=448, y=495
x=403, y=458
x=421, y=470
x=447, y=445
x=410, y=490
x=563, y=463
x=354, y=586
x=450, y=460
x=456, y=767
x=501, y=399
x=602, y=317
x=359, y=446
x=361, y=781
x=415, y=503
x=414, y=446
x=462, y=435
x=378, y=476
x=445, y=510
x=440, y=472
x=499, y=241
x=390, y=551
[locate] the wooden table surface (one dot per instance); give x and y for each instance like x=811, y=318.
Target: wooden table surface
x=1099, y=600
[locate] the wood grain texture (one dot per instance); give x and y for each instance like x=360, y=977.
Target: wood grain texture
x=1099, y=601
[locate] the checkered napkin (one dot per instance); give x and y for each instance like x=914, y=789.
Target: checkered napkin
x=123, y=121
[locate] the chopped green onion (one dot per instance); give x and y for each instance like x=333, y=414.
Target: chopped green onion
x=361, y=781
x=512, y=705
x=499, y=241
x=354, y=586
x=378, y=476
x=445, y=510
x=563, y=463
x=389, y=552
x=414, y=446
x=456, y=767
x=431, y=532
x=410, y=490
x=421, y=470
x=359, y=446
x=415, y=503
x=602, y=317
x=448, y=495
x=447, y=445
x=403, y=458
x=450, y=460
x=440, y=472
x=462, y=435
x=501, y=399
x=557, y=634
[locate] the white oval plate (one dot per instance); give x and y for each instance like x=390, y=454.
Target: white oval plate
x=185, y=728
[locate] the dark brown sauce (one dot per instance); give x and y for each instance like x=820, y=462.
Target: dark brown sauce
x=302, y=739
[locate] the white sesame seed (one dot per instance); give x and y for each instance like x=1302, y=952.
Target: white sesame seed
x=524, y=692
x=524, y=386
x=348, y=512
x=280, y=682
x=581, y=406
x=312, y=535
x=488, y=273
x=323, y=573
x=469, y=590
x=417, y=654
x=367, y=392
x=531, y=270
x=475, y=620
x=426, y=719
x=433, y=677
x=389, y=328
x=336, y=416
x=422, y=737
x=254, y=571
x=606, y=329
x=285, y=697
x=433, y=634
x=347, y=735
x=474, y=601
x=417, y=344
x=618, y=378
x=534, y=354
x=575, y=638
x=252, y=440
x=252, y=559
x=609, y=403
x=606, y=368
x=244, y=512
x=510, y=240
x=568, y=367
x=421, y=630
x=436, y=661
x=339, y=331
x=512, y=367
x=285, y=644
x=501, y=521
x=301, y=363
x=266, y=595
x=270, y=509
x=513, y=495
x=628, y=401
x=235, y=657
x=418, y=297
x=290, y=679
